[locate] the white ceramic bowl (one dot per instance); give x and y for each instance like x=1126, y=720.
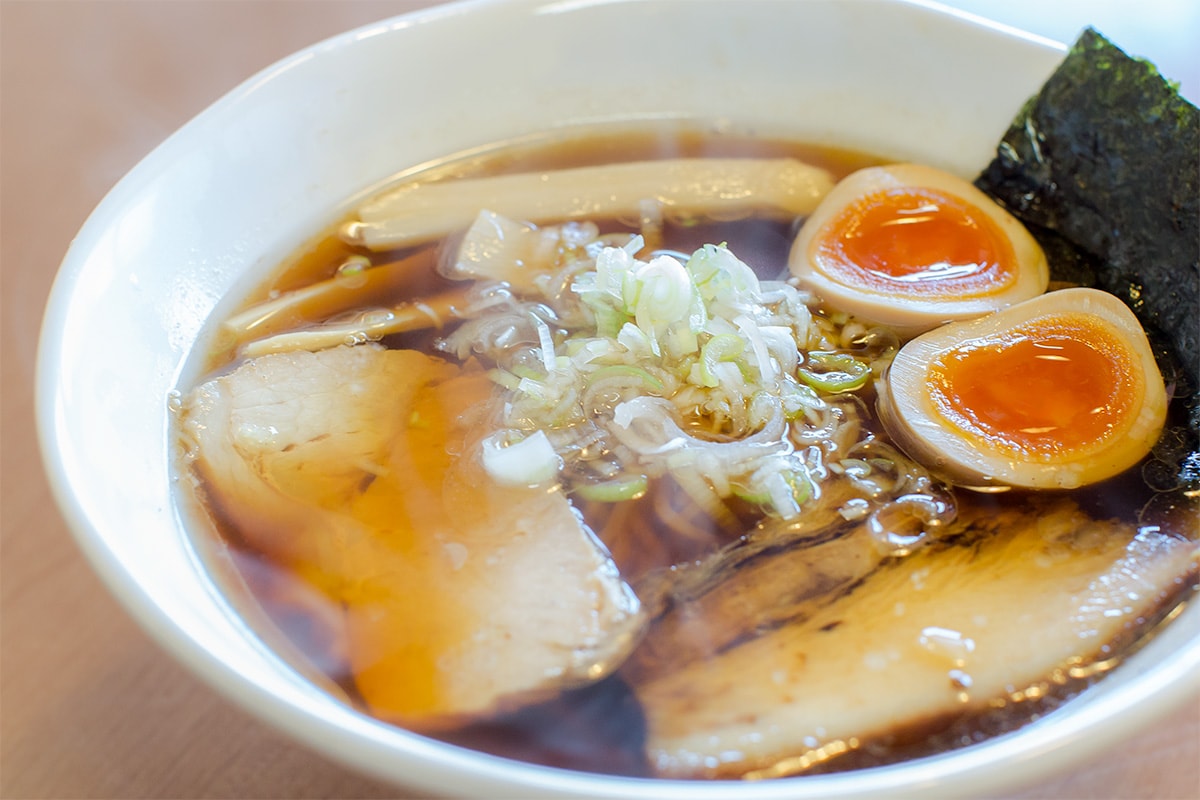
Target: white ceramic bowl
x=254, y=175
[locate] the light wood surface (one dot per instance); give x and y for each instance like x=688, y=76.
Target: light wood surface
x=90, y=707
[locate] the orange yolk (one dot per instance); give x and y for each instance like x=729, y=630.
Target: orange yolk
x=1051, y=387
x=915, y=241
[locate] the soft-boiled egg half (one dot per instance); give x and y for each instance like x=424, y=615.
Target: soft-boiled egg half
x=912, y=247
x=1053, y=393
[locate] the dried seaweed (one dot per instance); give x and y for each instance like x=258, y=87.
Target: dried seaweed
x=1103, y=165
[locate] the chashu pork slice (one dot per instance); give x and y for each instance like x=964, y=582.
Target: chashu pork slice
x=756, y=584
x=355, y=467
x=1007, y=608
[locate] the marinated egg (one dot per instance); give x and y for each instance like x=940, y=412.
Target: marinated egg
x=1053, y=393
x=911, y=247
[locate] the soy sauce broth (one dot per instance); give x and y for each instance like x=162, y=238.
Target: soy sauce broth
x=761, y=243
x=599, y=728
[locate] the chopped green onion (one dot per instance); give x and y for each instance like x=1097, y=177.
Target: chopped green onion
x=503, y=377
x=647, y=380
x=722, y=348
x=546, y=343
x=783, y=495
x=526, y=372
x=628, y=487
x=534, y=388
x=742, y=492
x=720, y=275
x=635, y=340
x=803, y=485
x=662, y=343
x=797, y=398
x=530, y=462
x=834, y=372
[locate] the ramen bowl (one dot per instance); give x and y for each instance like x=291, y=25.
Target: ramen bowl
x=241, y=186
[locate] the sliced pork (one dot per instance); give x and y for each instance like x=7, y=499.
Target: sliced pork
x=357, y=467
x=1002, y=609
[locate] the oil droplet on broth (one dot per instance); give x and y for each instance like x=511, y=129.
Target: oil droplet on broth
x=947, y=644
x=898, y=528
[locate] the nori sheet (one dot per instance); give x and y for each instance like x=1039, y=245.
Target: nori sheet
x=1103, y=166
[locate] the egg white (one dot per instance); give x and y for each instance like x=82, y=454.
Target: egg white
x=909, y=414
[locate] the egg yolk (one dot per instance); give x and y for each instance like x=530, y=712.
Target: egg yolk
x=918, y=241
x=1050, y=388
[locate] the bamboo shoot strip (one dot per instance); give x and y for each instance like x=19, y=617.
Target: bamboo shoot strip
x=369, y=326
x=350, y=288
x=417, y=212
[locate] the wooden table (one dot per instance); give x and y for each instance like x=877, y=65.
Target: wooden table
x=90, y=707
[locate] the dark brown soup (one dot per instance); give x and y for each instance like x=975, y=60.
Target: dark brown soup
x=779, y=589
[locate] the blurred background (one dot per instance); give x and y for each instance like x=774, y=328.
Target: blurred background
x=1165, y=31
x=89, y=707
